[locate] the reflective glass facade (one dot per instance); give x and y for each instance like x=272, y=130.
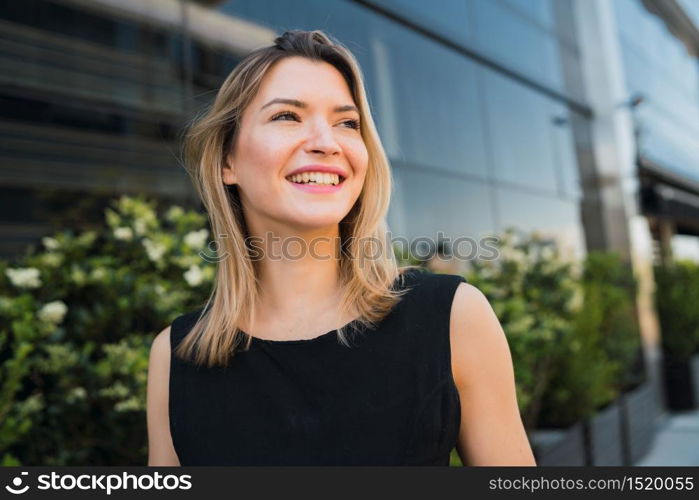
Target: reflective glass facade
x=90, y=105
x=658, y=65
x=468, y=143
x=473, y=99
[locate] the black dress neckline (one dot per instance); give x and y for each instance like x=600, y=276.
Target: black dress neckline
x=319, y=338
x=332, y=334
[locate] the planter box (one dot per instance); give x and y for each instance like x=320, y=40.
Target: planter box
x=604, y=437
x=559, y=446
x=681, y=383
x=639, y=412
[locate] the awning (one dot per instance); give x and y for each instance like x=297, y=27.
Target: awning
x=667, y=195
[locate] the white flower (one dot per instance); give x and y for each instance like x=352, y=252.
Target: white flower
x=52, y=259
x=547, y=253
x=196, y=239
x=123, y=233
x=53, y=312
x=98, y=274
x=577, y=301
x=24, y=277
x=78, y=275
x=131, y=404
x=140, y=226
x=184, y=261
x=174, y=212
x=208, y=273
x=194, y=275
x=50, y=243
x=113, y=218
x=76, y=394
x=508, y=253
x=154, y=250
x=87, y=238
x=487, y=271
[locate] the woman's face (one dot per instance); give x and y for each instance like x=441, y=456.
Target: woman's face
x=317, y=130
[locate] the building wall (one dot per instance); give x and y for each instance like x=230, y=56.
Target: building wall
x=626, y=51
x=474, y=150
x=481, y=105
x=660, y=63
x=90, y=104
x=659, y=66
x=475, y=102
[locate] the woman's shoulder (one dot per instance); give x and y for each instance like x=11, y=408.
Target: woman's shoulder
x=182, y=324
x=427, y=282
x=429, y=295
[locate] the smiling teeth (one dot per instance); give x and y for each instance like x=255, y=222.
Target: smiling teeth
x=315, y=178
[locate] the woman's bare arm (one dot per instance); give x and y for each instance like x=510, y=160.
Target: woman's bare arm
x=491, y=432
x=161, y=451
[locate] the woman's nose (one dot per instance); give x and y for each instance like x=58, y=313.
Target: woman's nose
x=321, y=137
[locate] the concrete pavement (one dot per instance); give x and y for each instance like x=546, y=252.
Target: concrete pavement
x=677, y=441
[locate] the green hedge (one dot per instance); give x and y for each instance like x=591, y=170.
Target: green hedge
x=534, y=295
x=599, y=356
x=78, y=315
x=677, y=299
x=571, y=327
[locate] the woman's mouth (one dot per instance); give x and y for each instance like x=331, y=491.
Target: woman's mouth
x=317, y=182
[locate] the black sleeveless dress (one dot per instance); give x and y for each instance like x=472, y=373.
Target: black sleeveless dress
x=390, y=399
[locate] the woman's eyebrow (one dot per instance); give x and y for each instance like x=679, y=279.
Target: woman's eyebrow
x=301, y=104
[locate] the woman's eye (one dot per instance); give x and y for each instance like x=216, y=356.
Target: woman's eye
x=285, y=113
x=354, y=124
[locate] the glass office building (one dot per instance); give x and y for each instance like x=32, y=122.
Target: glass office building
x=482, y=106
x=659, y=44
x=475, y=102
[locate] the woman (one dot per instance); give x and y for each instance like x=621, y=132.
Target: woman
x=314, y=348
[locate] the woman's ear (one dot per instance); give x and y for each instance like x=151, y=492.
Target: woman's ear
x=228, y=171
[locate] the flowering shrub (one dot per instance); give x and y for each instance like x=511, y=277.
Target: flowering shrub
x=535, y=294
x=571, y=326
x=77, y=317
x=598, y=359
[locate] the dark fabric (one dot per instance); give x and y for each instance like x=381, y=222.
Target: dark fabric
x=390, y=399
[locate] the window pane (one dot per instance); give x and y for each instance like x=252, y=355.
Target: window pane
x=517, y=43
x=429, y=102
x=520, y=122
x=657, y=65
x=552, y=217
x=539, y=10
x=450, y=18
x=425, y=203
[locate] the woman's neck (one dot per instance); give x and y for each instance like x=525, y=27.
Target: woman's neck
x=300, y=288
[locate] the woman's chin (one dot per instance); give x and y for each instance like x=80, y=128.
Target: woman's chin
x=316, y=221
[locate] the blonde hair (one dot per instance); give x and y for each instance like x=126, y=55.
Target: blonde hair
x=367, y=285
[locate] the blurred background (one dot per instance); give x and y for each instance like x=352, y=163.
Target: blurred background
x=575, y=121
